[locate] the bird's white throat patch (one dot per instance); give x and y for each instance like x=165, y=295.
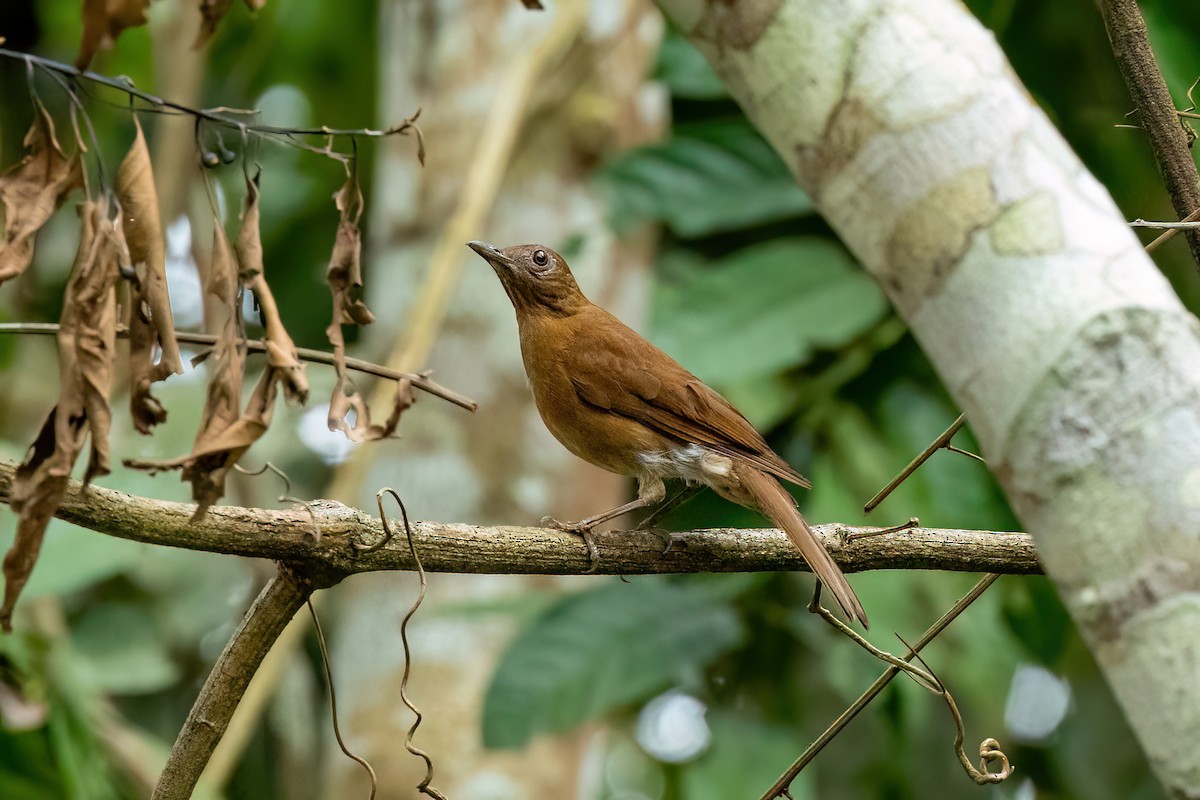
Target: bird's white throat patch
x=692, y=463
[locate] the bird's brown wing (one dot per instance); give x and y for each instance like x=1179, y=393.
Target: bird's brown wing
x=619, y=371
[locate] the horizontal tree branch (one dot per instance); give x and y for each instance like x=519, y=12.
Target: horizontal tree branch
x=325, y=544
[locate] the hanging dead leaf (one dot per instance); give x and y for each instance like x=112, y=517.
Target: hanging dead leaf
x=345, y=265
x=225, y=434
x=344, y=401
x=149, y=319
x=36, y=495
x=218, y=447
x=207, y=465
x=227, y=364
x=222, y=282
x=224, y=437
x=211, y=14
x=281, y=351
x=345, y=285
x=86, y=349
x=32, y=190
x=104, y=21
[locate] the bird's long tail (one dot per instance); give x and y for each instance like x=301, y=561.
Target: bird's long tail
x=775, y=502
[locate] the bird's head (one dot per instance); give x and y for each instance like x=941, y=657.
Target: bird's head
x=537, y=279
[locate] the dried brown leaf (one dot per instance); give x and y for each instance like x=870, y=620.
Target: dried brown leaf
x=402, y=400
x=206, y=466
x=211, y=14
x=86, y=350
x=32, y=190
x=149, y=317
x=87, y=338
x=344, y=401
x=345, y=285
x=225, y=434
x=103, y=22
x=281, y=351
x=36, y=494
x=219, y=447
x=222, y=280
x=345, y=265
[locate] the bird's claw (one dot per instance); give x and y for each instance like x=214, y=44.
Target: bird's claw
x=583, y=531
x=668, y=538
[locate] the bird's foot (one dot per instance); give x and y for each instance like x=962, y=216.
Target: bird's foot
x=668, y=538
x=584, y=531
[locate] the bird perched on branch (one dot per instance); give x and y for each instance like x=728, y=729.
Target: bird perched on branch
x=619, y=402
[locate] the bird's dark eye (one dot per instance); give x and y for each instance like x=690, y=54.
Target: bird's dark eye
x=540, y=258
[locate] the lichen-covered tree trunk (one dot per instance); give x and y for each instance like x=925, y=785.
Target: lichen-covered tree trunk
x=1076, y=364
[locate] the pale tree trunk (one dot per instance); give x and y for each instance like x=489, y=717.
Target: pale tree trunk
x=1075, y=363
x=500, y=464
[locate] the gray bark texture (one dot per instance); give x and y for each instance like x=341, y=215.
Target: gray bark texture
x=1075, y=363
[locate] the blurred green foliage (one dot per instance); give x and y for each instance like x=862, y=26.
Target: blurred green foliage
x=687, y=181
x=565, y=669
x=755, y=294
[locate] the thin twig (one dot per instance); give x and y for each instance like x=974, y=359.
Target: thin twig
x=337, y=729
x=258, y=346
x=1171, y=234
x=780, y=786
x=212, y=115
x=77, y=111
x=989, y=749
x=922, y=678
x=937, y=444
x=1170, y=226
x=951, y=448
x=926, y=678
x=1156, y=109
x=286, y=497
x=423, y=787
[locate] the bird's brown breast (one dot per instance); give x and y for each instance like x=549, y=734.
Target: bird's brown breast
x=551, y=350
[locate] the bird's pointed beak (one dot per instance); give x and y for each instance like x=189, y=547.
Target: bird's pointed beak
x=490, y=254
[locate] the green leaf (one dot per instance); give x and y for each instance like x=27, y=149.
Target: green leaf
x=711, y=176
x=1034, y=613
x=73, y=558
x=65, y=756
x=766, y=399
x=122, y=650
x=745, y=753
x=763, y=309
x=602, y=648
x=685, y=70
